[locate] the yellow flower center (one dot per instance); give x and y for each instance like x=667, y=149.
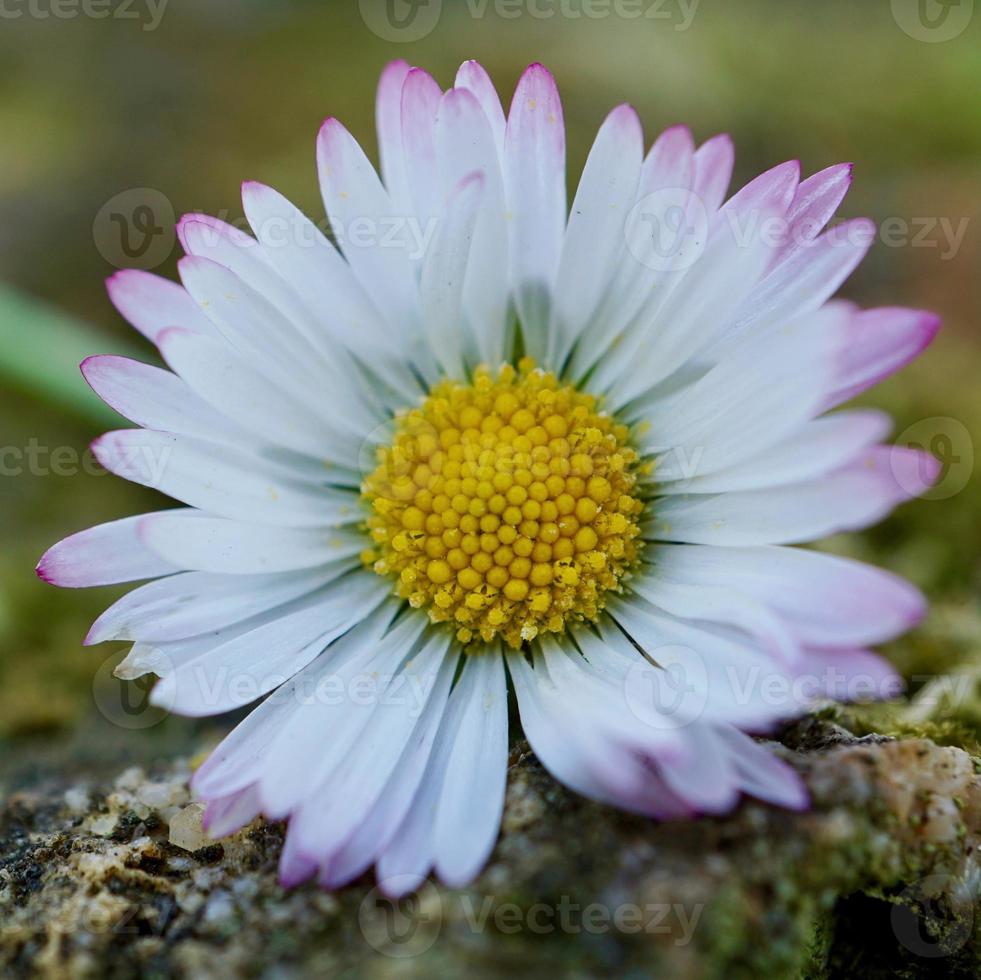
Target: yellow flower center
x=506, y=506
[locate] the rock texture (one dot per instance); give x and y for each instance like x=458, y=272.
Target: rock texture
x=881, y=878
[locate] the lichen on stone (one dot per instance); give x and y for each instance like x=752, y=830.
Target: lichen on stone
x=883, y=872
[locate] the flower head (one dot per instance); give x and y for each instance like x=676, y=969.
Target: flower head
x=485, y=439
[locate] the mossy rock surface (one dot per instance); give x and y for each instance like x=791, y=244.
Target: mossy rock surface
x=880, y=878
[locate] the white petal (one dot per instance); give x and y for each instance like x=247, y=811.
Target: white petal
x=334, y=700
x=594, y=239
x=193, y=541
x=713, y=170
x=702, y=675
x=202, y=235
x=663, y=193
x=388, y=123
x=819, y=447
x=343, y=789
x=103, y=555
x=850, y=498
x=473, y=77
x=715, y=602
x=152, y=303
x=444, y=271
x=364, y=220
x=243, y=669
x=579, y=755
x=471, y=802
x=808, y=278
x=414, y=847
x=827, y=601
x=310, y=263
x=881, y=341
x=184, y=605
x=464, y=145
x=385, y=817
x=771, y=192
x=558, y=751
x=340, y=696
x=710, y=785
x=223, y=481
x=271, y=341
x=420, y=100
x=228, y=814
x=761, y=394
x=232, y=385
x=534, y=177
x=671, y=331
x=761, y=773
x=156, y=399
x=310, y=356
x=814, y=205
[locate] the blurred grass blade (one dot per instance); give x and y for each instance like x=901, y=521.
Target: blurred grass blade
x=41, y=348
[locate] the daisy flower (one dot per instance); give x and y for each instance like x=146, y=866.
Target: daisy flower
x=487, y=443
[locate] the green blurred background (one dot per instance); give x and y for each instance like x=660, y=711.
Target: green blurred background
x=191, y=98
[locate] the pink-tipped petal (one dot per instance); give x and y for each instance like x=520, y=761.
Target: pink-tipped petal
x=669, y=162
x=388, y=122
x=361, y=214
x=713, y=162
x=534, y=176
x=153, y=398
x=594, y=240
x=762, y=774
x=201, y=234
x=228, y=814
x=420, y=101
x=473, y=77
x=849, y=675
x=772, y=192
x=151, y=303
x=811, y=275
x=294, y=867
x=881, y=341
x=856, y=496
x=814, y=205
x=465, y=145
x=102, y=555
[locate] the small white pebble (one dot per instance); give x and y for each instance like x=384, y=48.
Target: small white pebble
x=161, y=795
x=104, y=824
x=130, y=778
x=77, y=799
x=219, y=908
x=185, y=828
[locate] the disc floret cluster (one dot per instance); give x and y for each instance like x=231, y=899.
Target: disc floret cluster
x=507, y=505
